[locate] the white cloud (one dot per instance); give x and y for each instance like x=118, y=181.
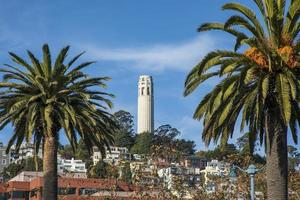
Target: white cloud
x=159, y=57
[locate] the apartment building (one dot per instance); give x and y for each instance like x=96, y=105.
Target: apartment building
x=215, y=168
x=72, y=165
x=26, y=150
x=194, y=162
x=112, y=156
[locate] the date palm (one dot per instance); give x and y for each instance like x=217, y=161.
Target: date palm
x=259, y=82
x=40, y=98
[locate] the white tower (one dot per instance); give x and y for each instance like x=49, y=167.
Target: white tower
x=145, y=105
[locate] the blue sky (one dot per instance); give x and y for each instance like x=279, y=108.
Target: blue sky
x=127, y=39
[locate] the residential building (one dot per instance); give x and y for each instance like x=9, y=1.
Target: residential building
x=65, y=165
x=26, y=176
x=215, y=168
x=26, y=150
x=144, y=173
x=194, y=162
x=112, y=155
x=137, y=157
x=68, y=189
x=175, y=177
x=4, y=158
x=191, y=175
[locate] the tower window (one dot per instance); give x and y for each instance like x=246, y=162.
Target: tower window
x=142, y=90
x=148, y=91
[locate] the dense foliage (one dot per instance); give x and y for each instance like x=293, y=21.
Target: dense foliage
x=41, y=97
x=259, y=81
x=124, y=137
x=143, y=142
x=14, y=169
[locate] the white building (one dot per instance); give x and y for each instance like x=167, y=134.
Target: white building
x=215, y=168
x=167, y=174
x=144, y=172
x=297, y=167
x=70, y=166
x=111, y=156
x=26, y=150
x=145, y=105
x=189, y=178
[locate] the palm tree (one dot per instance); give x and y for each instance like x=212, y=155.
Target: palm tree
x=260, y=82
x=40, y=98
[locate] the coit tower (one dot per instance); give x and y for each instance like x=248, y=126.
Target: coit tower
x=145, y=105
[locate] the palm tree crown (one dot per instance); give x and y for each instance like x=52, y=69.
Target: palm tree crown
x=40, y=98
x=267, y=71
x=259, y=82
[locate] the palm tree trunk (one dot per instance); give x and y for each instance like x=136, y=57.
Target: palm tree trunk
x=276, y=151
x=50, y=168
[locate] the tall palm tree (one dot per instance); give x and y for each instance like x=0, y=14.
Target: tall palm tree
x=42, y=97
x=260, y=82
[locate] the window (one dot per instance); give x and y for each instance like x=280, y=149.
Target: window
x=142, y=90
x=20, y=195
x=3, y=161
x=66, y=191
x=148, y=91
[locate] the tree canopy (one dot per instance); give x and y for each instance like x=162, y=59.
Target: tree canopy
x=142, y=143
x=42, y=97
x=14, y=169
x=124, y=137
x=259, y=81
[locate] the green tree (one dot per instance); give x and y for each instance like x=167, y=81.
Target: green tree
x=124, y=137
x=11, y=171
x=89, y=164
x=100, y=170
x=42, y=97
x=219, y=153
x=126, y=173
x=165, y=133
x=243, y=144
x=28, y=164
x=66, y=152
x=186, y=147
x=246, y=144
x=142, y=144
x=165, y=144
x=261, y=82
x=82, y=151
x=292, y=151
